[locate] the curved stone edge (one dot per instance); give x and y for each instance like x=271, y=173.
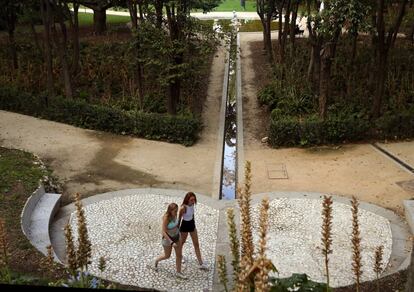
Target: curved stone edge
x=26, y=220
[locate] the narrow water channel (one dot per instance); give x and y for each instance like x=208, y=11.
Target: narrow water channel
x=229, y=162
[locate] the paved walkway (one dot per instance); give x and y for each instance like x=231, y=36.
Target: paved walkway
x=124, y=228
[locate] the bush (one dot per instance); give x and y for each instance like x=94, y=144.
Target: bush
x=394, y=125
x=312, y=130
x=178, y=129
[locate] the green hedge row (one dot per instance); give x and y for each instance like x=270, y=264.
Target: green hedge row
x=337, y=128
x=177, y=129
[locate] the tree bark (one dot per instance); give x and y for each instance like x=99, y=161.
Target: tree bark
x=46, y=17
x=133, y=13
x=75, y=40
x=61, y=46
x=384, y=43
x=13, y=51
x=158, y=12
x=99, y=20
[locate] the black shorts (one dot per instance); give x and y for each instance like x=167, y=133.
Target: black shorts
x=187, y=226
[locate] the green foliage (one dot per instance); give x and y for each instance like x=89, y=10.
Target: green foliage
x=396, y=124
x=297, y=282
x=341, y=127
x=178, y=129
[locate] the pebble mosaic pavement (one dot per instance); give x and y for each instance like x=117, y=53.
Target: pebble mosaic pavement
x=294, y=239
x=126, y=231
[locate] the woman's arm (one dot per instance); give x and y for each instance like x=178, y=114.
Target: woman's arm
x=164, y=228
x=181, y=213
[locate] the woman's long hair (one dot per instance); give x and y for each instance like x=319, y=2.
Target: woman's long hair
x=188, y=197
x=170, y=209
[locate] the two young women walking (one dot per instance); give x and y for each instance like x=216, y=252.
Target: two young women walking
x=174, y=234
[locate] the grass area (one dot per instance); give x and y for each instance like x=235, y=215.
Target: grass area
x=86, y=19
x=230, y=5
x=20, y=173
x=256, y=25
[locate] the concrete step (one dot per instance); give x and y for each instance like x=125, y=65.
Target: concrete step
x=38, y=214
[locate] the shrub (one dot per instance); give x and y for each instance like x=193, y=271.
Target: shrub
x=178, y=129
x=396, y=125
x=292, y=131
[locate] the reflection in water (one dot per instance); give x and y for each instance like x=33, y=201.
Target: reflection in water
x=228, y=183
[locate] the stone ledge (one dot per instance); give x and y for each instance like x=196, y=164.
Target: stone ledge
x=36, y=216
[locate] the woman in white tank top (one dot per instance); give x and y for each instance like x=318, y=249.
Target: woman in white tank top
x=188, y=226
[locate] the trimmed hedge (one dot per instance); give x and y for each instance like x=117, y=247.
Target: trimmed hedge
x=177, y=129
x=338, y=128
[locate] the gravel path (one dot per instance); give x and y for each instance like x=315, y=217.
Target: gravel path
x=126, y=232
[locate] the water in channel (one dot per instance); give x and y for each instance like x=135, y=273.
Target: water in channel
x=229, y=170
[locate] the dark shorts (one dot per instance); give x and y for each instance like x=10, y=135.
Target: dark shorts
x=187, y=226
x=175, y=239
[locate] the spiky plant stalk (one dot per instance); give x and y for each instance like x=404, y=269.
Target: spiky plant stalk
x=379, y=251
x=234, y=243
x=4, y=258
x=246, y=233
x=49, y=261
x=70, y=251
x=356, y=243
x=102, y=264
x=222, y=271
x=84, y=251
x=261, y=279
x=246, y=229
x=327, y=233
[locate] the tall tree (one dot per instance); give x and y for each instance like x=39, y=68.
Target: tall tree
x=8, y=18
x=46, y=12
x=60, y=13
x=266, y=10
x=384, y=41
x=178, y=15
x=99, y=8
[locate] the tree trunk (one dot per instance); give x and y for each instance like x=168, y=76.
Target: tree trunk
x=411, y=33
x=133, y=13
x=13, y=51
x=158, y=12
x=46, y=17
x=75, y=40
x=62, y=50
x=380, y=83
x=325, y=79
x=293, y=24
x=99, y=20
x=34, y=34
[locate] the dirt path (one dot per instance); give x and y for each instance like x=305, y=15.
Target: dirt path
x=92, y=162
x=356, y=169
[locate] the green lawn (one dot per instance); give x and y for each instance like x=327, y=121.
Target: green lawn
x=230, y=5
x=86, y=19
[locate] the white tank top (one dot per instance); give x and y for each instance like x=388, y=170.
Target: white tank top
x=189, y=213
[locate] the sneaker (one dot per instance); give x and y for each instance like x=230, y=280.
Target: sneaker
x=203, y=266
x=181, y=275
x=153, y=266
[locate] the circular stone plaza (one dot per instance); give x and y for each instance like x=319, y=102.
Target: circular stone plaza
x=125, y=228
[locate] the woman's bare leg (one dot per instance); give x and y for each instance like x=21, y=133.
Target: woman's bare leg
x=194, y=238
x=167, y=254
x=183, y=238
x=178, y=256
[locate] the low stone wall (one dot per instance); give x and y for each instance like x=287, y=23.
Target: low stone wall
x=28, y=208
